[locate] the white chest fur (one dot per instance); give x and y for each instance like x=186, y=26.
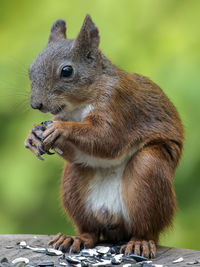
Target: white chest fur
x=77, y=114
x=105, y=192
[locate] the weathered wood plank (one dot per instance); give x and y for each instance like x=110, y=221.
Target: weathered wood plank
x=165, y=255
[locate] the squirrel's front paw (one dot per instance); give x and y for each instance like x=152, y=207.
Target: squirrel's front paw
x=34, y=141
x=53, y=135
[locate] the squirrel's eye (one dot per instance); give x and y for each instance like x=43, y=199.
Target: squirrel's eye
x=66, y=71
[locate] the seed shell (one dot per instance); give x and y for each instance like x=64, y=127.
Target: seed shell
x=178, y=260
x=46, y=263
x=15, y=261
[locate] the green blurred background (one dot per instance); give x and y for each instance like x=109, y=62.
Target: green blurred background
x=160, y=39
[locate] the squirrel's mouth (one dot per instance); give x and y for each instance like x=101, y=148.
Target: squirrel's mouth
x=58, y=109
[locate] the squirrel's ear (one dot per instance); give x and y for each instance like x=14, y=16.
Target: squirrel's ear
x=58, y=31
x=88, y=38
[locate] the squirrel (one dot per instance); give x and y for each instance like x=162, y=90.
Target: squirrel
x=121, y=138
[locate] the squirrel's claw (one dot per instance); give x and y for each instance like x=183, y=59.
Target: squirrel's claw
x=39, y=156
x=143, y=248
x=35, y=143
x=29, y=144
x=50, y=136
x=50, y=153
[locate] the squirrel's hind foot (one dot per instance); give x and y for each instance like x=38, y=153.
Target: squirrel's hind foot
x=73, y=244
x=143, y=248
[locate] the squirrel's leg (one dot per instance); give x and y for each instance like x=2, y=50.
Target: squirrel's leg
x=74, y=188
x=149, y=197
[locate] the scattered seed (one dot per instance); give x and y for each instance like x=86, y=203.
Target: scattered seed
x=22, y=244
x=103, y=250
x=84, y=264
x=144, y=262
x=9, y=247
x=53, y=252
x=37, y=249
x=5, y=264
x=63, y=263
x=20, y=264
x=46, y=123
x=137, y=258
x=104, y=263
x=15, y=261
x=46, y=263
x=116, y=261
x=88, y=252
x=115, y=250
x=72, y=260
x=192, y=262
x=3, y=260
x=106, y=257
x=58, y=150
x=178, y=260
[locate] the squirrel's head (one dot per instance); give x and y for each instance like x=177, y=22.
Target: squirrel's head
x=63, y=73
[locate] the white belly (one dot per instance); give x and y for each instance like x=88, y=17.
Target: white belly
x=105, y=192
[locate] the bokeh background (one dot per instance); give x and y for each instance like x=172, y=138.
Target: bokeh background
x=160, y=39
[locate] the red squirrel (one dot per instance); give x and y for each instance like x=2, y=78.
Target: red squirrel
x=121, y=138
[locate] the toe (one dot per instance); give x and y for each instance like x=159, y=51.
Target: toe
x=137, y=248
x=129, y=248
x=76, y=246
x=55, y=239
x=152, y=248
x=123, y=248
x=66, y=244
x=145, y=249
x=60, y=241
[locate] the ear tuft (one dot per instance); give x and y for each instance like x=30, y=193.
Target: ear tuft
x=58, y=31
x=88, y=38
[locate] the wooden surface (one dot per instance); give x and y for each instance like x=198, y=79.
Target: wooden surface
x=165, y=255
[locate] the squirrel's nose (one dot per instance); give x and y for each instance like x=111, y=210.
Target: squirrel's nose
x=37, y=105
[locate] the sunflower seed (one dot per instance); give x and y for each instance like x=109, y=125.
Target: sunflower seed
x=46, y=263
x=37, y=249
x=104, y=263
x=72, y=260
x=178, y=260
x=84, y=264
x=63, y=263
x=103, y=250
x=88, y=252
x=9, y=247
x=136, y=257
x=15, y=261
x=3, y=260
x=22, y=244
x=117, y=259
x=58, y=150
x=192, y=262
x=115, y=249
x=53, y=252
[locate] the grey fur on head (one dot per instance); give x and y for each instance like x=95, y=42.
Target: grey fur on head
x=50, y=90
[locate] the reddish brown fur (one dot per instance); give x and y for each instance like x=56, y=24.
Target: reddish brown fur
x=129, y=111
